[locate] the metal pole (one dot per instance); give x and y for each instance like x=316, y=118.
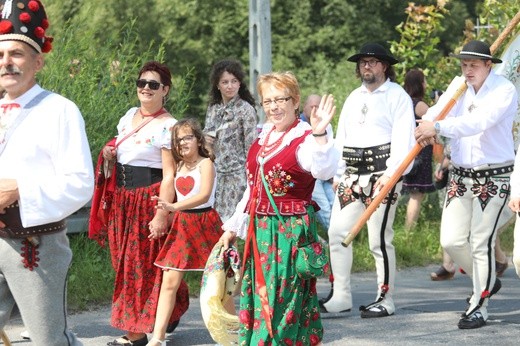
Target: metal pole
x=259, y=44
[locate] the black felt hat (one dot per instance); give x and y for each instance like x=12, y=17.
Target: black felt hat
x=476, y=50
x=375, y=50
x=26, y=21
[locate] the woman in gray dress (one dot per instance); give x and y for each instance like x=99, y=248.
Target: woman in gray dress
x=230, y=128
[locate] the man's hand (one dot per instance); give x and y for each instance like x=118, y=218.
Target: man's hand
x=8, y=193
x=425, y=133
x=380, y=183
x=514, y=204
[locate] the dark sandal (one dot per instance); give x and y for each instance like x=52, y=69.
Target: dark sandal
x=124, y=341
x=441, y=274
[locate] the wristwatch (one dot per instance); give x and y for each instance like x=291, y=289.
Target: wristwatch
x=437, y=127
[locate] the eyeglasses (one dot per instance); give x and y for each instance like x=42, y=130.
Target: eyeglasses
x=154, y=85
x=280, y=101
x=186, y=139
x=370, y=63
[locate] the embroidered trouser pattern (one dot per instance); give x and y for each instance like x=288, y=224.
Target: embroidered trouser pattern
x=39, y=293
x=350, y=203
x=469, y=225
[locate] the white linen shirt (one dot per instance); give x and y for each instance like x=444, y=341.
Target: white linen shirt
x=480, y=125
x=389, y=118
x=48, y=154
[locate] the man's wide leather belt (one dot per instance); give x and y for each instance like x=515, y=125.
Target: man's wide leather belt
x=14, y=228
x=132, y=177
x=366, y=160
x=482, y=173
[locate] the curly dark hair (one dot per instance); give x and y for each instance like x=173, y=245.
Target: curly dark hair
x=160, y=68
x=196, y=129
x=235, y=68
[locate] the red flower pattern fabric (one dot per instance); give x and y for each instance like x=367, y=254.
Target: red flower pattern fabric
x=293, y=301
x=191, y=238
x=138, y=280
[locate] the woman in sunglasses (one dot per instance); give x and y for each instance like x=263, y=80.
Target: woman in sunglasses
x=144, y=168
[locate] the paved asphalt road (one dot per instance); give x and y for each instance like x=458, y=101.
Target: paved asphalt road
x=427, y=314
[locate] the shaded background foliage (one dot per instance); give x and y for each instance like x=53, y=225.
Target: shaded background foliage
x=310, y=37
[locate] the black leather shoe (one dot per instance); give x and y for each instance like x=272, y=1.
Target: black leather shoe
x=324, y=300
x=324, y=310
x=124, y=341
x=473, y=321
x=374, y=311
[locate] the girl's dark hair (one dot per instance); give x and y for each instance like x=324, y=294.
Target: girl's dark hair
x=389, y=71
x=161, y=69
x=196, y=129
x=235, y=68
x=414, y=84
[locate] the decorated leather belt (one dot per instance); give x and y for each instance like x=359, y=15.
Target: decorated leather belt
x=482, y=173
x=14, y=228
x=132, y=177
x=366, y=160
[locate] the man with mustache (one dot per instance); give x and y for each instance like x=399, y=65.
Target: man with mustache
x=46, y=175
x=375, y=133
x=482, y=152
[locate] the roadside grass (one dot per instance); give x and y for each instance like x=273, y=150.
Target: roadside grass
x=91, y=276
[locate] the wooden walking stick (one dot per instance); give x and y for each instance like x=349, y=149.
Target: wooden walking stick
x=417, y=148
x=4, y=338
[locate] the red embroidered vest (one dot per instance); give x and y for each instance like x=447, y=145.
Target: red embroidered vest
x=290, y=185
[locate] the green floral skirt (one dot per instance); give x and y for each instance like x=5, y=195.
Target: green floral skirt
x=293, y=302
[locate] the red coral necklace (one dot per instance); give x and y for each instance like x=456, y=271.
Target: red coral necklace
x=268, y=149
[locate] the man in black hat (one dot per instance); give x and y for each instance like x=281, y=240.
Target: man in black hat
x=46, y=175
x=375, y=133
x=482, y=152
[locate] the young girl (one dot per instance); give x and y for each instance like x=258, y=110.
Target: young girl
x=196, y=226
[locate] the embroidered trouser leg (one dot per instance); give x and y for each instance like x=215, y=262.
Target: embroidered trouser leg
x=349, y=205
x=41, y=293
x=470, y=220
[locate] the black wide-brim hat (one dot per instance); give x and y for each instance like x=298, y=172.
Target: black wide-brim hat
x=373, y=50
x=476, y=50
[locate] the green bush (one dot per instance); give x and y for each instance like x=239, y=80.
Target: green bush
x=100, y=79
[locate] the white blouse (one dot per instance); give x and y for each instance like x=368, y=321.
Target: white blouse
x=144, y=147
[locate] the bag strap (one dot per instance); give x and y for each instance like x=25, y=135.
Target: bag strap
x=140, y=126
x=270, y=196
x=23, y=114
x=268, y=192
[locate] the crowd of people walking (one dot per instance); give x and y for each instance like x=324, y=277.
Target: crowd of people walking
x=167, y=189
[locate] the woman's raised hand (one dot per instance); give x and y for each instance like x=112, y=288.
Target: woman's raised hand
x=323, y=114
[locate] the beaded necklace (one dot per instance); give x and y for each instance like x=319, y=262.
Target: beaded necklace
x=268, y=149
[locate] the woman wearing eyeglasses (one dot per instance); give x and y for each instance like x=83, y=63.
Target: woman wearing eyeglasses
x=276, y=216
x=144, y=168
x=230, y=128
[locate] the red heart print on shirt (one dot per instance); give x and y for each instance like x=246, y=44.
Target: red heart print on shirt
x=185, y=184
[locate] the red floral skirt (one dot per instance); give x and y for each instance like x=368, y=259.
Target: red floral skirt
x=138, y=281
x=190, y=240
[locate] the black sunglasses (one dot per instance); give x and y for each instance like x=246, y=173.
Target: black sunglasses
x=141, y=83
